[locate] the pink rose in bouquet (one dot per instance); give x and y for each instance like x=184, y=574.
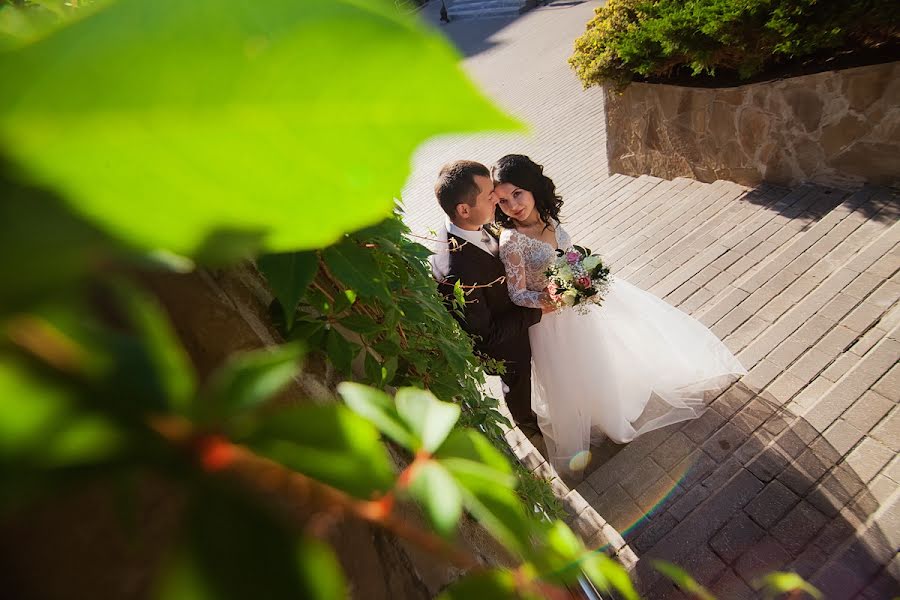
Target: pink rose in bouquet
x=576, y=278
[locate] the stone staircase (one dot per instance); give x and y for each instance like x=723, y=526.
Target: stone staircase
x=795, y=467
x=470, y=9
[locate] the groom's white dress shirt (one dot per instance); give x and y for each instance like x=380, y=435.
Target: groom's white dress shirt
x=440, y=261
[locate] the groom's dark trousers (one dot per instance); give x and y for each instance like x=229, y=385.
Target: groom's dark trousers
x=499, y=328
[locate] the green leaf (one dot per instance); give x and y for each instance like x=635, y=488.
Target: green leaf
x=311, y=332
x=375, y=373
x=468, y=445
x=341, y=351
x=496, y=585
x=43, y=424
x=355, y=266
x=377, y=407
x=780, y=582
x=289, y=274
x=607, y=574
x=497, y=508
x=682, y=579
x=560, y=560
x=172, y=365
x=328, y=443
x=361, y=324
x=249, y=379
x=191, y=114
x=429, y=418
x=435, y=489
x=60, y=247
x=233, y=550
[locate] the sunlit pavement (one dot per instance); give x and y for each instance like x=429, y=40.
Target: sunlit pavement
x=796, y=466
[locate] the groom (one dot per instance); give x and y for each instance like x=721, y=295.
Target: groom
x=499, y=328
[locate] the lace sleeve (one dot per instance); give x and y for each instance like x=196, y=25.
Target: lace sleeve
x=512, y=256
x=563, y=239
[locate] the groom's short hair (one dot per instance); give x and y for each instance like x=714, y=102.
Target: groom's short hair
x=456, y=184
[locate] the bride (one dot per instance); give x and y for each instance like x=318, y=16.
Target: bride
x=627, y=366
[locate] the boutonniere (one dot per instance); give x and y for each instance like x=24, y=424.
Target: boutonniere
x=493, y=229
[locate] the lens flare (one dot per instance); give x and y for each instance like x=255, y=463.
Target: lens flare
x=580, y=461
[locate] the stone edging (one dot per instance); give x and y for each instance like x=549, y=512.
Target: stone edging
x=586, y=522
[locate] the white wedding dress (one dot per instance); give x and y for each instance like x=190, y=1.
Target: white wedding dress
x=630, y=365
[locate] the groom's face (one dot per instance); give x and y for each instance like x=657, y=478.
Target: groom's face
x=483, y=210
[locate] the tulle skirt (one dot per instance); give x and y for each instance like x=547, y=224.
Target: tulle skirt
x=623, y=368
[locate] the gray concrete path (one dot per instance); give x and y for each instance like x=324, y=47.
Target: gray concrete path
x=795, y=467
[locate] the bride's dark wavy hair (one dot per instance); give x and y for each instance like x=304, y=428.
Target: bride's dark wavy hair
x=524, y=173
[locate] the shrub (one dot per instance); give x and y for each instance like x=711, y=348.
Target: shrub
x=654, y=38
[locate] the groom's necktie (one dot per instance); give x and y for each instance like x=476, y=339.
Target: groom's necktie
x=490, y=242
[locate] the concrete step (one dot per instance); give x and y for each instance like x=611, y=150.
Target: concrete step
x=463, y=9
x=588, y=220
x=633, y=254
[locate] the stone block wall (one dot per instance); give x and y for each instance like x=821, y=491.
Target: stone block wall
x=838, y=128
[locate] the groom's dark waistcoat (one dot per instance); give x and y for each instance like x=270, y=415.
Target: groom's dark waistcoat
x=499, y=327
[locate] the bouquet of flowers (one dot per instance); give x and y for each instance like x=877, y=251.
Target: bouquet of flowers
x=577, y=278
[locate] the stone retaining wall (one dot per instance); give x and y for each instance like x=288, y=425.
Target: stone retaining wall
x=838, y=128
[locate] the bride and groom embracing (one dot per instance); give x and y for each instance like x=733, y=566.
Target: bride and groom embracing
x=614, y=369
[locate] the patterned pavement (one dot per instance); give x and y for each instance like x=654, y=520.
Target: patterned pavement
x=795, y=467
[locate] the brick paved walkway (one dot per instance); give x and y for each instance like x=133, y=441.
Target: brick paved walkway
x=796, y=466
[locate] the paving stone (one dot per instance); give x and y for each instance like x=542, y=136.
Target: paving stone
x=835, y=491
x=661, y=493
x=842, y=436
x=690, y=500
x=868, y=411
x=753, y=414
x=763, y=558
x=889, y=385
x=838, y=582
x=835, y=339
x=725, y=441
x=888, y=430
x=862, y=317
x=697, y=299
x=839, y=398
x=810, y=560
x=618, y=508
x=811, y=394
x=682, y=293
x=694, y=468
x=769, y=463
x=838, y=307
x=654, y=531
x=736, y=537
x=811, y=364
x=761, y=374
x=732, y=400
x=868, y=458
x=798, y=527
x=643, y=476
x=893, y=469
x=751, y=448
x=722, y=474
x=731, y=587
x=701, y=428
x=686, y=543
x=772, y=504
x=863, y=285
x=883, y=586
x=673, y=450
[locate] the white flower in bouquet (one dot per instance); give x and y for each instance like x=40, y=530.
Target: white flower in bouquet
x=569, y=296
x=590, y=262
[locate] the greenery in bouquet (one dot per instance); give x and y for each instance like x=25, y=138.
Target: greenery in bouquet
x=576, y=277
